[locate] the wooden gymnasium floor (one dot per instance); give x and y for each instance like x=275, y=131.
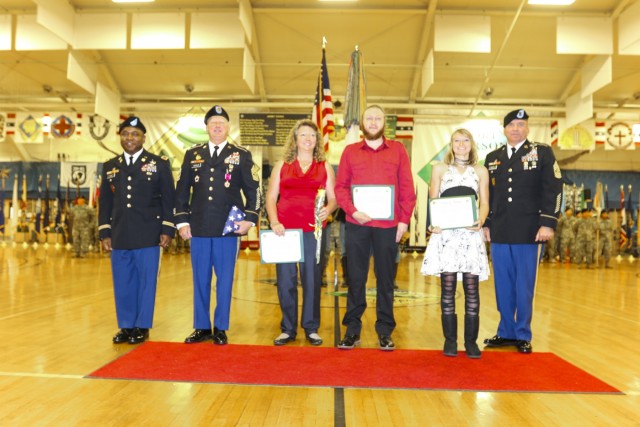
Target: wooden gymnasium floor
x=57, y=319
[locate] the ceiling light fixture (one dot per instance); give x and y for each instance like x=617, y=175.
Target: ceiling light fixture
x=133, y=1
x=552, y=2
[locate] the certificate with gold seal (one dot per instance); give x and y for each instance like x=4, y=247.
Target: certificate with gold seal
x=453, y=212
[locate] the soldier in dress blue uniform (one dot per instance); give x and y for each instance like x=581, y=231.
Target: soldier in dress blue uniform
x=213, y=178
x=525, y=193
x=135, y=220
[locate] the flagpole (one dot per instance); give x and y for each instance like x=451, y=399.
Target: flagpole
x=13, y=212
x=47, y=211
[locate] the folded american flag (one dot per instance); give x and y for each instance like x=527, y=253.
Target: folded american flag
x=235, y=214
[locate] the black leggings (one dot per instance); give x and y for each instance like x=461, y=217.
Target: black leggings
x=470, y=284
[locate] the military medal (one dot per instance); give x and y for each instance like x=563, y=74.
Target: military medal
x=227, y=184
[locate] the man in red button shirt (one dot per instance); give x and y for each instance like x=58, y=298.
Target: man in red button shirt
x=383, y=167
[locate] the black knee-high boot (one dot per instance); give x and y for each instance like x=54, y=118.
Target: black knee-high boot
x=471, y=326
x=450, y=331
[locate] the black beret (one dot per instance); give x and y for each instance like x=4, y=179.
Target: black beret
x=133, y=122
x=216, y=110
x=515, y=114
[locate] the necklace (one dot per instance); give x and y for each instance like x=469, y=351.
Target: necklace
x=304, y=166
x=460, y=161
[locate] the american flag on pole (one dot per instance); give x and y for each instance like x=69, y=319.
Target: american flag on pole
x=322, y=105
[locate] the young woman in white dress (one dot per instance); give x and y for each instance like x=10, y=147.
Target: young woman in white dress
x=459, y=253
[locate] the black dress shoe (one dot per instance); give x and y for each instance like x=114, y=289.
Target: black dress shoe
x=122, y=336
x=498, y=341
x=524, y=347
x=283, y=339
x=314, y=338
x=386, y=343
x=219, y=337
x=349, y=341
x=139, y=335
x=199, y=335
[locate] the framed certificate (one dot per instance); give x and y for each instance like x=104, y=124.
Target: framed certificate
x=276, y=249
x=453, y=212
x=377, y=201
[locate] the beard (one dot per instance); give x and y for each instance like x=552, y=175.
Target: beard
x=373, y=136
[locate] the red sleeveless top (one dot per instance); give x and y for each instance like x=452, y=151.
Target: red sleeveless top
x=298, y=193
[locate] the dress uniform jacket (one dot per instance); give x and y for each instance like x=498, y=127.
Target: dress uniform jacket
x=207, y=189
x=525, y=192
x=136, y=201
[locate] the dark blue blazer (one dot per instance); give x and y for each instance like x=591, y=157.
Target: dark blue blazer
x=525, y=192
x=136, y=202
x=207, y=189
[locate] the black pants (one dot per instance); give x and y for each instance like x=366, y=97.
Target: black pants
x=287, y=275
x=361, y=241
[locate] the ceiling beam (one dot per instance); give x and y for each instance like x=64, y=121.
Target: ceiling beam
x=255, y=52
x=615, y=14
x=422, y=49
x=507, y=36
x=620, y=8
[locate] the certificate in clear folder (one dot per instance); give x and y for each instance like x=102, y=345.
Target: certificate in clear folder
x=453, y=212
x=276, y=249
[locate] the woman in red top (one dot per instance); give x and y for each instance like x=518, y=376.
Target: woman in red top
x=290, y=201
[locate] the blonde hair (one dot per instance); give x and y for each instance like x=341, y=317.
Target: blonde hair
x=291, y=148
x=449, y=158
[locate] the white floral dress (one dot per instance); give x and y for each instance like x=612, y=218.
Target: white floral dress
x=457, y=250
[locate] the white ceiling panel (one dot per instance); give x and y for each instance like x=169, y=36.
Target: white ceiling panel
x=522, y=68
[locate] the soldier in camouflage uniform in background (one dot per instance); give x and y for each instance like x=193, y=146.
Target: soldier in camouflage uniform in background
x=83, y=223
x=567, y=234
x=585, y=238
x=550, y=250
x=605, y=228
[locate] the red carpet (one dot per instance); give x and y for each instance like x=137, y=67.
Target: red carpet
x=364, y=368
